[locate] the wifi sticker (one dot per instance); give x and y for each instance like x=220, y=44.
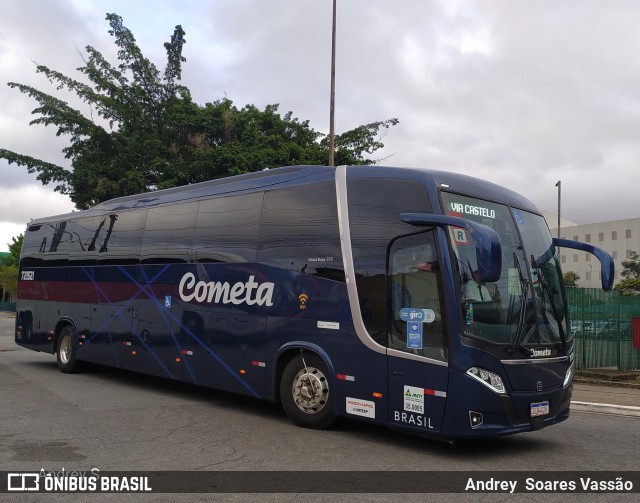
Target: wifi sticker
x=303, y=298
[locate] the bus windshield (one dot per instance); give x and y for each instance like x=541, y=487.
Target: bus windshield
x=526, y=305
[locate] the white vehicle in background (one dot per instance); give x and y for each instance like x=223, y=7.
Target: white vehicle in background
x=614, y=329
x=580, y=328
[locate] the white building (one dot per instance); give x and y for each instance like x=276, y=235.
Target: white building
x=619, y=238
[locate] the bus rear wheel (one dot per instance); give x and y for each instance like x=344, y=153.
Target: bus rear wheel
x=304, y=392
x=66, y=353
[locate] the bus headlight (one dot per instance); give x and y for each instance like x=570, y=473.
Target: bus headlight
x=569, y=377
x=489, y=379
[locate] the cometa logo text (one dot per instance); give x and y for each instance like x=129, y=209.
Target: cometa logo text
x=537, y=353
x=216, y=292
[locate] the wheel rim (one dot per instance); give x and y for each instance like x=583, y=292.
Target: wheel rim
x=310, y=390
x=65, y=349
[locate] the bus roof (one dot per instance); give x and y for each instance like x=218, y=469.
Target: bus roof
x=300, y=175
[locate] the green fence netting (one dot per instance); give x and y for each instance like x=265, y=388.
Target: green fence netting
x=601, y=323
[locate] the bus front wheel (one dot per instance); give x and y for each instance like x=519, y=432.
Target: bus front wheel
x=304, y=392
x=66, y=353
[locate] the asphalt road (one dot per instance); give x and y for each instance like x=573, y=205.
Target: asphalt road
x=115, y=420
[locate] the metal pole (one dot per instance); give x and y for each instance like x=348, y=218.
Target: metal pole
x=557, y=247
x=333, y=89
x=559, y=185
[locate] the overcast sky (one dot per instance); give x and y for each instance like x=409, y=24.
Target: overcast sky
x=522, y=93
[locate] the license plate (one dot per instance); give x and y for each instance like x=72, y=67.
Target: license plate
x=539, y=409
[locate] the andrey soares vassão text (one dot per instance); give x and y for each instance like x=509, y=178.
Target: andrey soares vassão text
x=581, y=484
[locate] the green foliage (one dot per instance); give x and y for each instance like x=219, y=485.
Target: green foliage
x=571, y=279
x=630, y=285
x=631, y=267
x=9, y=279
x=9, y=266
x=145, y=132
x=352, y=145
x=15, y=247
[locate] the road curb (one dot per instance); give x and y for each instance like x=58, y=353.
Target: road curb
x=606, y=408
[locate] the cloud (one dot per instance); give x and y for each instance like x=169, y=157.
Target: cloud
x=19, y=205
x=46, y=202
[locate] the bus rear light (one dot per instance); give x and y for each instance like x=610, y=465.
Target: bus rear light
x=490, y=379
x=344, y=377
x=475, y=418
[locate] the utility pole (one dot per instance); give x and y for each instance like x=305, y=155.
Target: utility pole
x=559, y=184
x=333, y=90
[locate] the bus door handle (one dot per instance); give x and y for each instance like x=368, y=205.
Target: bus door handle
x=398, y=373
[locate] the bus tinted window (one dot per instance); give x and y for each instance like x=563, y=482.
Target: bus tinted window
x=168, y=234
x=123, y=238
x=47, y=244
x=380, y=201
x=300, y=231
x=32, y=253
x=227, y=229
x=415, y=282
x=88, y=237
x=57, y=253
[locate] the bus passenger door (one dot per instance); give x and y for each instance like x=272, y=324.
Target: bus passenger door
x=417, y=342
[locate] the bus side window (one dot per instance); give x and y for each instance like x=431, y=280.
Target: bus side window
x=375, y=206
x=227, y=229
x=122, y=241
x=168, y=234
x=299, y=230
x=57, y=252
x=415, y=286
x=88, y=233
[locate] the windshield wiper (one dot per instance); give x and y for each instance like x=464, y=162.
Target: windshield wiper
x=524, y=300
x=547, y=299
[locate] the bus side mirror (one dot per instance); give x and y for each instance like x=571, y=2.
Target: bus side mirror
x=607, y=267
x=488, y=247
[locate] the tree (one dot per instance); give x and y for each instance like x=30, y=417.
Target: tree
x=571, y=279
x=9, y=266
x=631, y=266
x=630, y=285
x=15, y=247
x=145, y=132
x=9, y=279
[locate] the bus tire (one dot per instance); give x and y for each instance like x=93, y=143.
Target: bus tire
x=66, y=351
x=304, y=392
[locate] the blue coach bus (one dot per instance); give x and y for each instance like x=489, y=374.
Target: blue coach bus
x=427, y=301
